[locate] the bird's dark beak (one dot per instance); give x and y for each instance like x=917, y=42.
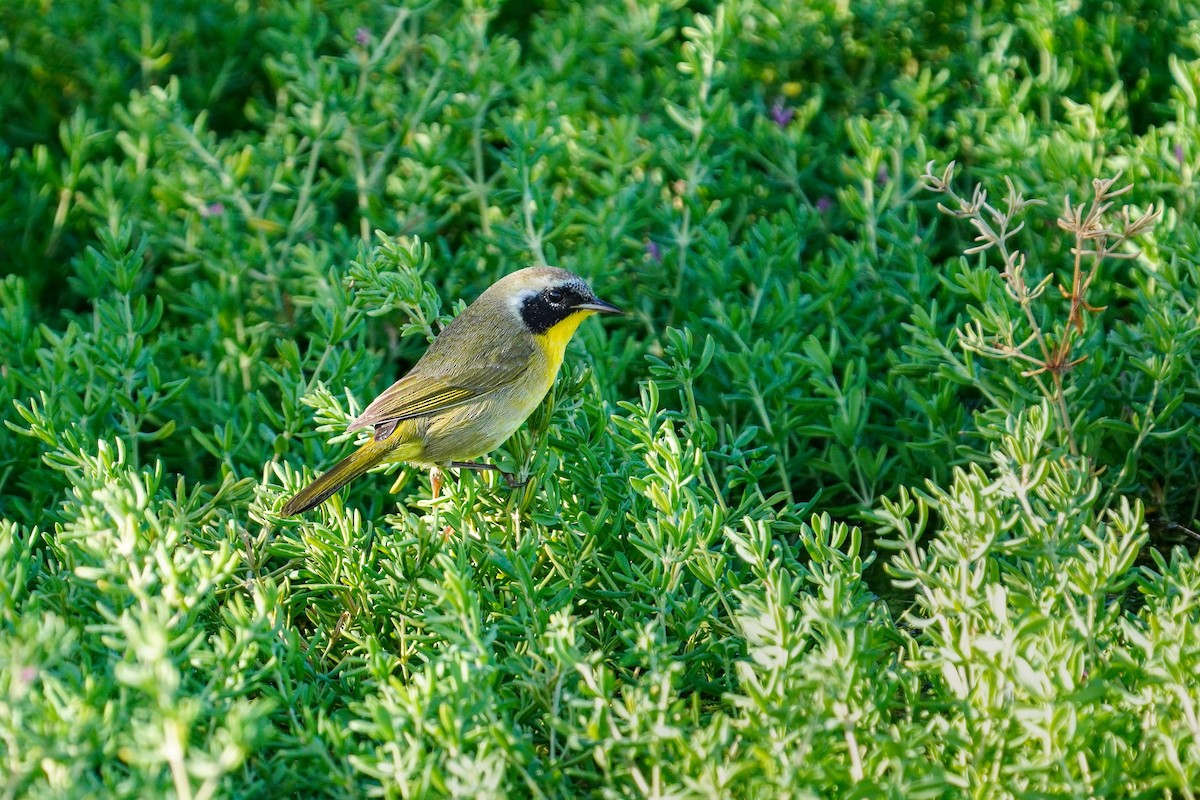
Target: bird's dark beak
x=599, y=306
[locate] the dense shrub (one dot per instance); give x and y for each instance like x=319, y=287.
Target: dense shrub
x=886, y=486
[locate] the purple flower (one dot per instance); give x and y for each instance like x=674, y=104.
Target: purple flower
x=824, y=204
x=781, y=113
x=212, y=210
x=654, y=251
x=1179, y=154
x=363, y=37
x=881, y=175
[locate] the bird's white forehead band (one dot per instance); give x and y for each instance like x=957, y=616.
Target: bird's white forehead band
x=517, y=300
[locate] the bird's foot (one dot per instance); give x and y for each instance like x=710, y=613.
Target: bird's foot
x=512, y=481
x=509, y=478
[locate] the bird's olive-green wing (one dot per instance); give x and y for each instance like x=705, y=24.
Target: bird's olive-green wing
x=462, y=365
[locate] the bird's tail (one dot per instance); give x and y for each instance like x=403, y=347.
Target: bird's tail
x=343, y=472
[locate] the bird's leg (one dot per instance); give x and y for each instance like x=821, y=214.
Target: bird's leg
x=435, y=483
x=509, y=478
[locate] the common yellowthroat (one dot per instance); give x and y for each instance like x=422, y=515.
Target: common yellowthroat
x=484, y=374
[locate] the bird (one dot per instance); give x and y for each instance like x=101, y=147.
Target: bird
x=480, y=379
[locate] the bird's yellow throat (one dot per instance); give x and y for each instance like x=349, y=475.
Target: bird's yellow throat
x=554, y=341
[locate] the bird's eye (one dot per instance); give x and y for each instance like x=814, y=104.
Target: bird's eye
x=555, y=296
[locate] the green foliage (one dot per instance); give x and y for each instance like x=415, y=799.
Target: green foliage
x=851, y=503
